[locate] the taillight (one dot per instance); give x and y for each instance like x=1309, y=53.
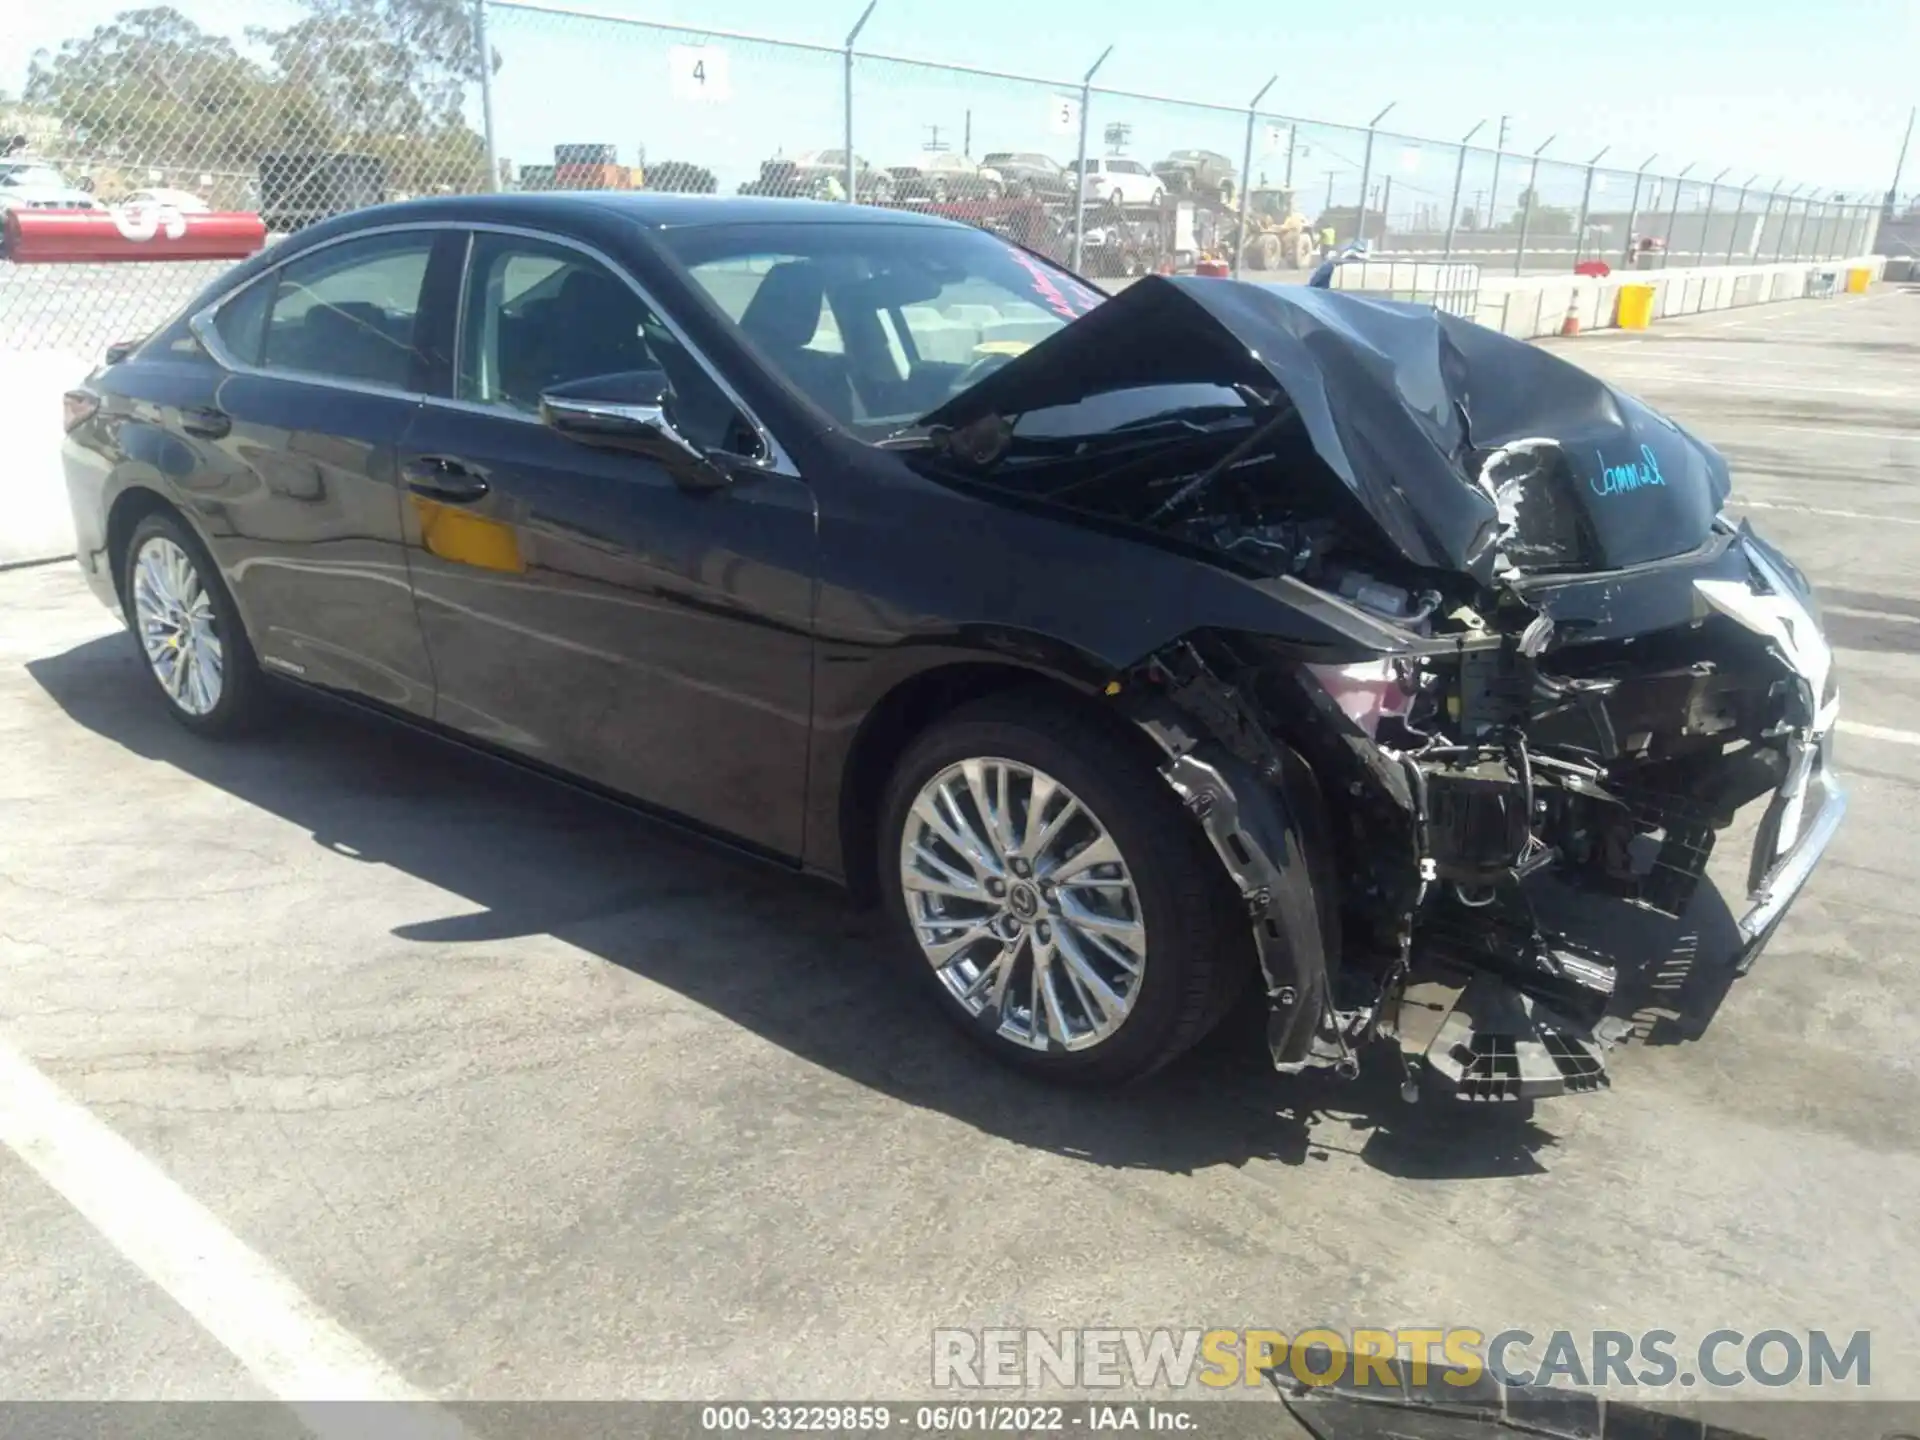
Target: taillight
x=77, y=407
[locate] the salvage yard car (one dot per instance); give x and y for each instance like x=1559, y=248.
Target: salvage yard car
x=1028, y=175
x=942, y=177
x=1306, y=644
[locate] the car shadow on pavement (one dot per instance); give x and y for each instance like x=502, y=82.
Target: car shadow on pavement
x=785, y=956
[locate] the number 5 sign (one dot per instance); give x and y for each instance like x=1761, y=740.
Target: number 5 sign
x=699, y=72
x=1063, y=113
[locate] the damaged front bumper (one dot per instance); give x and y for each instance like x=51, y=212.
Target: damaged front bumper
x=1487, y=998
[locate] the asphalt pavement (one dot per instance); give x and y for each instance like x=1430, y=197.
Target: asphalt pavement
x=344, y=1053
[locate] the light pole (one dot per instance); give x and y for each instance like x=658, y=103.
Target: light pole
x=1633, y=210
x=1586, y=200
x=1459, y=174
x=1246, y=177
x=1366, y=168
x=1526, y=206
x=1740, y=209
x=1706, y=221
x=1673, y=214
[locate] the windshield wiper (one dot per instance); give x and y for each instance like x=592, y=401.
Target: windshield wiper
x=1282, y=414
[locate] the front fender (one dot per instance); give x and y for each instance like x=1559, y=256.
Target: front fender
x=1259, y=831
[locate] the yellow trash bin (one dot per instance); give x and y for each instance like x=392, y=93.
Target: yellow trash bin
x=1636, y=307
x=1858, y=278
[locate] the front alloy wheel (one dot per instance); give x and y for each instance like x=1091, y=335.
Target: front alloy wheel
x=1023, y=904
x=1030, y=850
x=173, y=613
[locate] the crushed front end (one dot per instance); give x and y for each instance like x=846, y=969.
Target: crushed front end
x=1556, y=671
x=1560, y=754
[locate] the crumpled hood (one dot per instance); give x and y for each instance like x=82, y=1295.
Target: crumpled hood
x=1402, y=402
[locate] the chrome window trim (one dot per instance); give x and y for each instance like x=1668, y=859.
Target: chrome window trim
x=775, y=460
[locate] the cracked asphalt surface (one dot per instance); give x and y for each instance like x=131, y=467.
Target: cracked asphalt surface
x=539, y=1100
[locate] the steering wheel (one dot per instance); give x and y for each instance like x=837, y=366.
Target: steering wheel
x=979, y=370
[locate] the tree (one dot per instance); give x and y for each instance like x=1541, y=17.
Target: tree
x=388, y=78
x=380, y=67
x=380, y=77
x=151, y=87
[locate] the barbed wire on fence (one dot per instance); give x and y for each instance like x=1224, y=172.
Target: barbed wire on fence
x=356, y=102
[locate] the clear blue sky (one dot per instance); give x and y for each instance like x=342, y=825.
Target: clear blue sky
x=1818, y=94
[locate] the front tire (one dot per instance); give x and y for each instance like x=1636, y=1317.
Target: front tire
x=1049, y=889
x=194, y=647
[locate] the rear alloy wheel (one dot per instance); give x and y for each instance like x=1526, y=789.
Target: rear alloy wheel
x=1063, y=906
x=188, y=629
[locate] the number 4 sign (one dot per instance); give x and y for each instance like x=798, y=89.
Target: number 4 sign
x=699, y=72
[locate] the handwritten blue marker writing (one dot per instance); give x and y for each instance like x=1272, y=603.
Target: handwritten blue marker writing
x=1618, y=479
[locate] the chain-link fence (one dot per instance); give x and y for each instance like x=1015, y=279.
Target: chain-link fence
x=355, y=103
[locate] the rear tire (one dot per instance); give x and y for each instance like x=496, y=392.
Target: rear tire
x=1164, y=892
x=193, y=648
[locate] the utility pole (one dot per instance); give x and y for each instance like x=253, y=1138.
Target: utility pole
x=1329, y=205
x=1899, y=168
x=966, y=139
x=934, y=143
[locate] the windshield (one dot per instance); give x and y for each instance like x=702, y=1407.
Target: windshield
x=879, y=324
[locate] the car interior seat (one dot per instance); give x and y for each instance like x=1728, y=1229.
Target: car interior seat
x=782, y=319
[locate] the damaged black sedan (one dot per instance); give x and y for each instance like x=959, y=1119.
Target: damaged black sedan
x=1128, y=650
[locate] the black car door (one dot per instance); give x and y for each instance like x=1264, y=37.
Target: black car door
x=641, y=623
x=325, y=371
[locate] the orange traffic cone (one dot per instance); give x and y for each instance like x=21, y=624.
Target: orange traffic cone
x=1571, y=325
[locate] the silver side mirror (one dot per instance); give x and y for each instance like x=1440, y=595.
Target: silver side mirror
x=606, y=420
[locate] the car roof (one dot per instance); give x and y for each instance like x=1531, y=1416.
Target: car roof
x=649, y=209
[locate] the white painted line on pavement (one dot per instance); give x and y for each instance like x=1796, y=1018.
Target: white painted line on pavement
x=1852, y=614
x=1878, y=732
x=1728, y=382
x=1830, y=514
x=1844, y=430
x=285, y=1341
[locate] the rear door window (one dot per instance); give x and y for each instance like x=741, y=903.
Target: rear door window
x=345, y=312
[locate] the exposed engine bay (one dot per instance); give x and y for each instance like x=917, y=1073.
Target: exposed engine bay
x=1568, y=671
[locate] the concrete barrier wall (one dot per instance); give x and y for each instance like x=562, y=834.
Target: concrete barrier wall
x=1531, y=306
